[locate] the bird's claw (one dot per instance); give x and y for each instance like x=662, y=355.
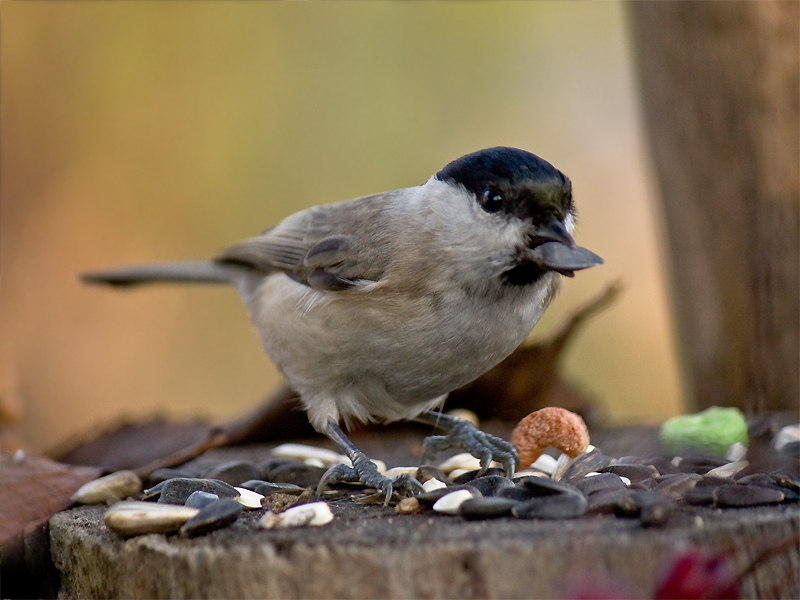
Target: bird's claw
x=365, y=472
x=466, y=436
x=407, y=485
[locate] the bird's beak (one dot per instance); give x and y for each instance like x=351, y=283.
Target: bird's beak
x=555, y=249
x=554, y=231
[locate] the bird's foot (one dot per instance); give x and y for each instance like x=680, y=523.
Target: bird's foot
x=464, y=435
x=365, y=472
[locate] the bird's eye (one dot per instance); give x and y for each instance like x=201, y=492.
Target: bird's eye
x=491, y=200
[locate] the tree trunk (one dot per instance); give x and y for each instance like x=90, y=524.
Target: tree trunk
x=721, y=96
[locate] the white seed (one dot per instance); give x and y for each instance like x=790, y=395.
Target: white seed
x=545, y=463
x=591, y=474
x=625, y=480
x=314, y=462
x=728, y=470
x=449, y=503
x=328, y=458
x=117, y=485
x=563, y=462
x=466, y=415
x=736, y=451
x=313, y=514
x=457, y=473
x=133, y=517
x=528, y=473
x=790, y=433
x=248, y=498
x=395, y=472
x=433, y=484
x=464, y=461
x=303, y=452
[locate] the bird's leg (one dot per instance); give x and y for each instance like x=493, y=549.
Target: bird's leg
x=363, y=469
x=463, y=434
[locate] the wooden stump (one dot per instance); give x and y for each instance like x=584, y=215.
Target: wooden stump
x=721, y=93
x=369, y=552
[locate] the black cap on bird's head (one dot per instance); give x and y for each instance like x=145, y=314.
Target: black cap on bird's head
x=513, y=182
x=497, y=164
x=516, y=183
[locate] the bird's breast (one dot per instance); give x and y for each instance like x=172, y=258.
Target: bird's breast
x=417, y=346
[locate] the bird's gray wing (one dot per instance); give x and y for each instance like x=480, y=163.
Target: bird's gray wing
x=332, y=247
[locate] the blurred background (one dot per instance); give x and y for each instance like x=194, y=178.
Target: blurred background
x=137, y=131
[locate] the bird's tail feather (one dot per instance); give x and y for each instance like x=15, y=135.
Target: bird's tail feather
x=201, y=271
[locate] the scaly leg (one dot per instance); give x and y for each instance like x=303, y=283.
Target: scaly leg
x=363, y=469
x=463, y=434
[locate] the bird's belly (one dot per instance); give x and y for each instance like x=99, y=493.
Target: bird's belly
x=384, y=356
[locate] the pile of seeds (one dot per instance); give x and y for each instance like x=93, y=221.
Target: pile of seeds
x=649, y=490
x=194, y=501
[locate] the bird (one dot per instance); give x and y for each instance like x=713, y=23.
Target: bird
x=375, y=308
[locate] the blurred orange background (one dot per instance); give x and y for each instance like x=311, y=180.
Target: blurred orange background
x=144, y=131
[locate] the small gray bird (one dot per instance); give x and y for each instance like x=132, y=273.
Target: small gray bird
x=375, y=308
